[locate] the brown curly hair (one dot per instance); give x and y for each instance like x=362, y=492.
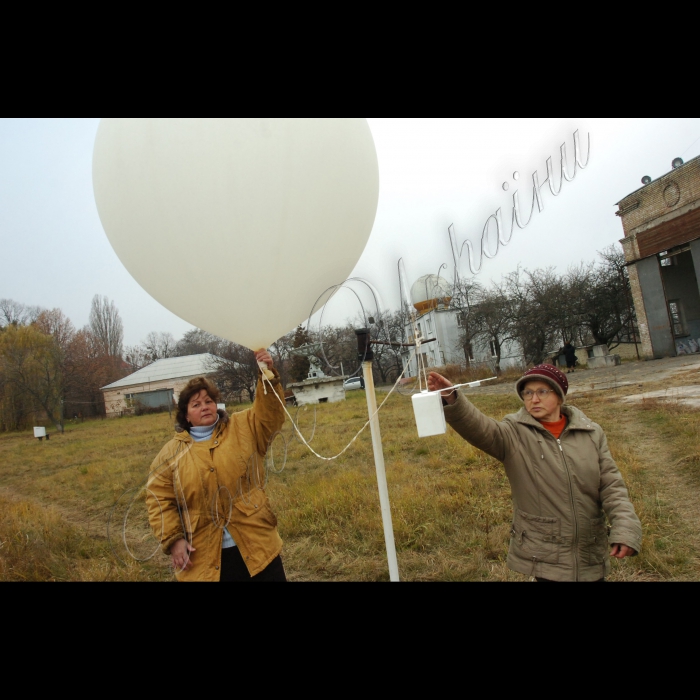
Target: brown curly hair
x=194, y=386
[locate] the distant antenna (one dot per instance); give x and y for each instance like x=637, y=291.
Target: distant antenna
x=677, y=162
x=646, y=180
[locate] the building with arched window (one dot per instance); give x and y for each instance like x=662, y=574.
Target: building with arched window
x=661, y=221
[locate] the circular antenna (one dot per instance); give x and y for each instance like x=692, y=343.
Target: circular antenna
x=646, y=180
x=677, y=162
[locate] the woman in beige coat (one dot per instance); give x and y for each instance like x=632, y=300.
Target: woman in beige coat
x=205, y=497
x=564, y=482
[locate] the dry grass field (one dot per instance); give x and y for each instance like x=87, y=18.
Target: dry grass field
x=450, y=503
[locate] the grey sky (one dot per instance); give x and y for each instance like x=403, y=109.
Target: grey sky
x=434, y=173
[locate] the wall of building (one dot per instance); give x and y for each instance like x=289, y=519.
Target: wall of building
x=329, y=390
x=675, y=194
x=451, y=351
x=646, y=351
x=443, y=325
x=115, y=399
x=662, y=216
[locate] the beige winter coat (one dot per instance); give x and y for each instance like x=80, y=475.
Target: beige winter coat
x=197, y=489
x=562, y=492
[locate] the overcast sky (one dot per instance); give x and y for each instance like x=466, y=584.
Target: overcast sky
x=434, y=172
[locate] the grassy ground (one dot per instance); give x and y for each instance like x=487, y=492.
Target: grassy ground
x=450, y=503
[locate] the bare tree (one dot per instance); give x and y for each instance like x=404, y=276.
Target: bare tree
x=235, y=372
x=198, y=342
x=391, y=327
x=280, y=351
x=137, y=357
x=14, y=313
x=339, y=349
x=299, y=369
x=536, y=299
x=106, y=325
x=611, y=314
x=578, y=283
x=160, y=346
x=497, y=319
x=466, y=298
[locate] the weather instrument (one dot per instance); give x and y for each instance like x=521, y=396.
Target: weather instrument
x=428, y=411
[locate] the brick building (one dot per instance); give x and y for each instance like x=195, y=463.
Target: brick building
x=661, y=222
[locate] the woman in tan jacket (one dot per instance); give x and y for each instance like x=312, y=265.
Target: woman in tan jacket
x=564, y=482
x=205, y=496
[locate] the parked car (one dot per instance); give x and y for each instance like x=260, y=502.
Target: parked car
x=354, y=383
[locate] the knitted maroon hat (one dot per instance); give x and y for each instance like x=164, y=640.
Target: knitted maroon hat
x=546, y=373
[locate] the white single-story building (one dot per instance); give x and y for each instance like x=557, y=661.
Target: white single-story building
x=158, y=384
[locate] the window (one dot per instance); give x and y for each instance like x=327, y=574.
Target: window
x=492, y=347
x=470, y=352
x=667, y=258
x=675, y=308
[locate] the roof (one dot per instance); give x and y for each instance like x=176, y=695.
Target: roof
x=170, y=368
x=661, y=177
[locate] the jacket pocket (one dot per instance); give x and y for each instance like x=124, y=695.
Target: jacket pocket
x=536, y=537
x=255, y=505
x=596, y=546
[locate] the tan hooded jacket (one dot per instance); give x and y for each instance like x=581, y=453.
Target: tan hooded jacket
x=197, y=489
x=562, y=491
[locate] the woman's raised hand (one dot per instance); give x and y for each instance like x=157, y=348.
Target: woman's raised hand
x=180, y=553
x=264, y=357
x=436, y=382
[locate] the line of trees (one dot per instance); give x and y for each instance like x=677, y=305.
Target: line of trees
x=590, y=304
x=47, y=367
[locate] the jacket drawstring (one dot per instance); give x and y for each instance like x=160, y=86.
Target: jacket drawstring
x=532, y=571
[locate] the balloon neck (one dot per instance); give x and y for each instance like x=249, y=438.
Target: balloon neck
x=266, y=372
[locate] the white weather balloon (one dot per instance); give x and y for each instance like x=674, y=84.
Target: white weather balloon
x=237, y=225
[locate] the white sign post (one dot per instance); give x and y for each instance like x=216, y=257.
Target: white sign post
x=366, y=353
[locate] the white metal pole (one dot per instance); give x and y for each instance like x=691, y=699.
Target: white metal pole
x=381, y=472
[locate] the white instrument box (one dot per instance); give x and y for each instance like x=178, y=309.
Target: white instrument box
x=430, y=417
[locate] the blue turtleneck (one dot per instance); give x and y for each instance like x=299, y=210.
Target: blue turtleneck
x=204, y=432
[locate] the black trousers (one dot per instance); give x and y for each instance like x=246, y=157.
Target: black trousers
x=233, y=569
